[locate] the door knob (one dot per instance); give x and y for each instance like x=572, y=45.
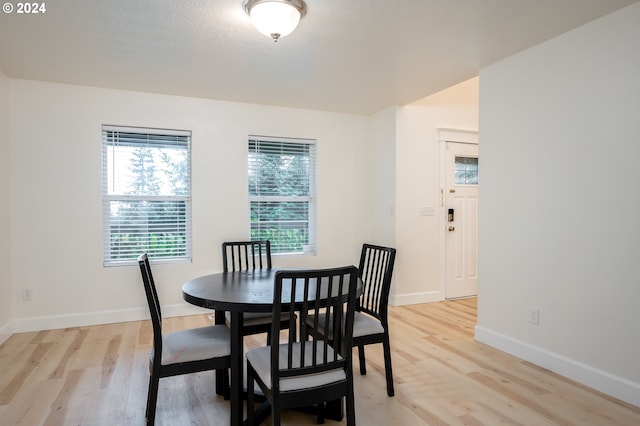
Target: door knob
x=452, y=228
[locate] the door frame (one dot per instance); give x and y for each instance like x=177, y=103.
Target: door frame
x=448, y=135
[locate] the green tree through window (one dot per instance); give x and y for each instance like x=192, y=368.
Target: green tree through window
x=147, y=194
x=282, y=193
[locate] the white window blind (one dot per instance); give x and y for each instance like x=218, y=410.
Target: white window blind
x=146, y=194
x=282, y=193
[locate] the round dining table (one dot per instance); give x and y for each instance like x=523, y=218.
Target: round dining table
x=239, y=292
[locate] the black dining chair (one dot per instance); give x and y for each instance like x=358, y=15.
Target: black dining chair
x=181, y=352
x=246, y=255
x=250, y=256
x=296, y=373
x=371, y=324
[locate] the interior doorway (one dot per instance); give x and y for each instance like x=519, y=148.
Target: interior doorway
x=459, y=189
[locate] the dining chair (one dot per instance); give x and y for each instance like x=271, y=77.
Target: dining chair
x=294, y=373
x=371, y=324
x=250, y=256
x=181, y=352
x=246, y=255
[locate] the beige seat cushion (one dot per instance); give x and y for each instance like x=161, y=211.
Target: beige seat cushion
x=195, y=344
x=363, y=325
x=260, y=359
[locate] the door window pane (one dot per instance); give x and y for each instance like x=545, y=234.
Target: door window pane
x=466, y=171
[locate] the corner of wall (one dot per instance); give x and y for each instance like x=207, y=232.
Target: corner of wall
x=6, y=289
x=6, y=331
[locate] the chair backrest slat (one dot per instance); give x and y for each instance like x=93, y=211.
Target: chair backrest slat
x=330, y=292
x=375, y=271
x=246, y=255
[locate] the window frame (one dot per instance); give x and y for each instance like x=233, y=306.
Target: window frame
x=310, y=248
x=182, y=201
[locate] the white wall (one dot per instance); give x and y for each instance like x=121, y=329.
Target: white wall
x=368, y=166
x=417, y=276
x=6, y=300
x=56, y=229
x=559, y=213
x=382, y=178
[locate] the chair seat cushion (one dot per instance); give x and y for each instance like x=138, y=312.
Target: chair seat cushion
x=363, y=325
x=260, y=359
x=256, y=318
x=195, y=344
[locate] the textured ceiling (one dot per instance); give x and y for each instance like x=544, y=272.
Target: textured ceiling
x=356, y=56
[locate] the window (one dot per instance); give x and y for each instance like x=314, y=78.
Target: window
x=282, y=194
x=466, y=171
x=146, y=194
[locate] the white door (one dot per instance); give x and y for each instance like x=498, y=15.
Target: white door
x=461, y=222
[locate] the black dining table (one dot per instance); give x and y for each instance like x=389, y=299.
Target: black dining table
x=239, y=292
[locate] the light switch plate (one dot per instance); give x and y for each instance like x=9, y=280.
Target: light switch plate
x=426, y=211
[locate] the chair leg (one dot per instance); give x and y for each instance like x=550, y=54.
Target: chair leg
x=321, y=412
x=351, y=406
x=226, y=392
x=306, y=334
x=276, y=408
x=363, y=365
x=220, y=387
x=387, y=365
x=152, y=398
x=250, y=387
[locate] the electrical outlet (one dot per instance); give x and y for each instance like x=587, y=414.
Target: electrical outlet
x=27, y=294
x=534, y=315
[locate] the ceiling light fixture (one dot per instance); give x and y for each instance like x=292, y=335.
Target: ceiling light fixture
x=275, y=18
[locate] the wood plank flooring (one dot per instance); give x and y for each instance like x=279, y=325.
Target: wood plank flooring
x=98, y=376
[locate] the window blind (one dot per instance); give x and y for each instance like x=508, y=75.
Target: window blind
x=282, y=193
x=146, y=194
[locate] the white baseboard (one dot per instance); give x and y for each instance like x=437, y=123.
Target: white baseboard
x=617, y=387
x=415, y=298
x=51, y=322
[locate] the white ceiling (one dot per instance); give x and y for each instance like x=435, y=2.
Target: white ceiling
x=355, y=56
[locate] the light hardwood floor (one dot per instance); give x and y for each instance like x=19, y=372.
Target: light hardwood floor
x=98, y=376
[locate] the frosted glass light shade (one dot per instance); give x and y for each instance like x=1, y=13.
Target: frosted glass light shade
x=275, y=18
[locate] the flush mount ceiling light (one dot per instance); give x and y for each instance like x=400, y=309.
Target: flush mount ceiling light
x=275, y=18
